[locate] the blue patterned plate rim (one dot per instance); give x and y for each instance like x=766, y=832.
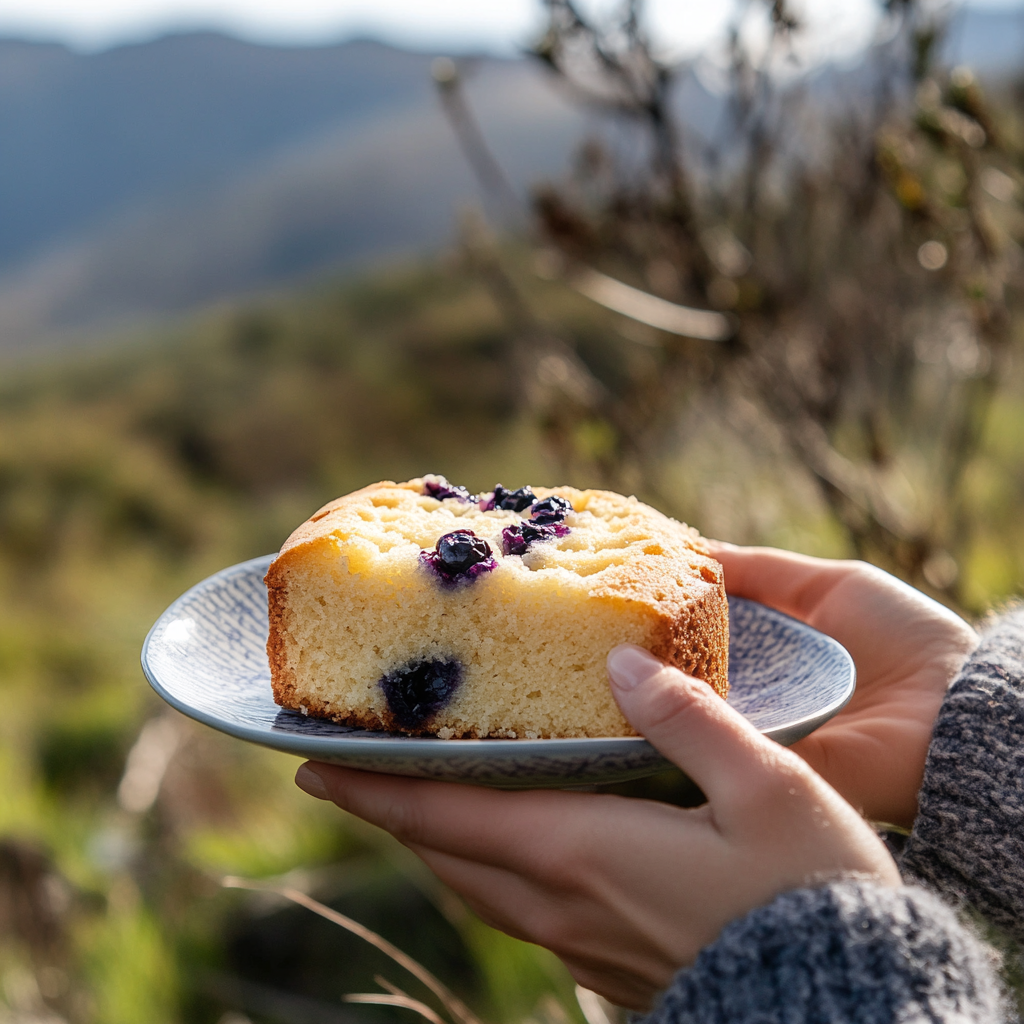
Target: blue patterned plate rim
x=470, y=749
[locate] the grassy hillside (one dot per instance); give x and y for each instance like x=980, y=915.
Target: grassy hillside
x=128, y=475
x=156, y=178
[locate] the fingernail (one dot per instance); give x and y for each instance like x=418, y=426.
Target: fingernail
x=310, y=782
x=629, y=666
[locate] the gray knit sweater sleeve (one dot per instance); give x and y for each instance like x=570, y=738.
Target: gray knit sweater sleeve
x=856, y=952
x=968, y=840
x=847, y=953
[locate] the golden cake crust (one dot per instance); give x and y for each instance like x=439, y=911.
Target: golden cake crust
x=673, y=585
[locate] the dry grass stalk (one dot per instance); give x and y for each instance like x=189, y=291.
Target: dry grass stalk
x=458, y=1010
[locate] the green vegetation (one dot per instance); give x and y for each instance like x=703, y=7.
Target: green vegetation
x=128, y=475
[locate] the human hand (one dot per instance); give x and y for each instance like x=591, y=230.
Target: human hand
x=627, y=891
x=907, y=649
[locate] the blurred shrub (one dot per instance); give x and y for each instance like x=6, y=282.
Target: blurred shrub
x=833, y=278
x=127, y=474
x=78, y=755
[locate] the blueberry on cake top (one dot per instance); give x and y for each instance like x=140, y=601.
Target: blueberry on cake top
x=420, y=608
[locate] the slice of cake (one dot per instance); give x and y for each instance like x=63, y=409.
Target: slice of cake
x=420, y=608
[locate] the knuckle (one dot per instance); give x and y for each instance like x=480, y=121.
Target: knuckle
x=569, y=854
x=871, y=573
x=558, y=864
x=779, y=784
x=674, y=701
x=553, y=930
x=403, y=820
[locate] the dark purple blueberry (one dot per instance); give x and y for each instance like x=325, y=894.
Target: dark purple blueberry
x=439, y=488
x=512, y=501
x=460, y=550
x=550, y=510
x=516, y=539
x=459, y=556
x=415, y=692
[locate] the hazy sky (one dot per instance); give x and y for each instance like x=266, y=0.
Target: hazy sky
x=434, y=24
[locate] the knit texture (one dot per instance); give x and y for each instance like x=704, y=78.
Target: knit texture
x=968, y=840
x=847, y=953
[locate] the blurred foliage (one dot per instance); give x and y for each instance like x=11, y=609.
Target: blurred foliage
x=127, y=474
x=861, y=239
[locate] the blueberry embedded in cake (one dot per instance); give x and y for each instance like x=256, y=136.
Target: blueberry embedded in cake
x=510, y=501
x=438, y=487
x=550, y=510
x=421, y=608
x=459, y=557
x=414, y=693
x=547, y=520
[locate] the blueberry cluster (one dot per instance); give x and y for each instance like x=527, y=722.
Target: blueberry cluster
x=461, y=556
x=438, y=487
x=415, y=692
x=544, y=523
x=458, y=557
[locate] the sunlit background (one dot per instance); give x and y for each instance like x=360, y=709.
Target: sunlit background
x=257, y=253
x=500, y=28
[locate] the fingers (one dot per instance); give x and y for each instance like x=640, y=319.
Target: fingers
x=500, y=898
x=688, y=722
x=872, y=613
x=619, y=990
x=792, y=583
x=311, y=782
x=565, y=919
x=485, y=825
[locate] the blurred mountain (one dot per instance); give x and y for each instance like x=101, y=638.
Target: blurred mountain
x=152, y=178
x=90, y=134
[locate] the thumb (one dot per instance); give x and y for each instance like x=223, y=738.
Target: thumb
x=687, y=722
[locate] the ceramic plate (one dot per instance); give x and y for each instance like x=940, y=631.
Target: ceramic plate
x=205, y=656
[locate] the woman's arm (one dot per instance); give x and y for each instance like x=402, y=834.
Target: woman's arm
x=968, y=839
x=628, y=891
x=850, y=952
x=838, y=954
x=926, y=708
